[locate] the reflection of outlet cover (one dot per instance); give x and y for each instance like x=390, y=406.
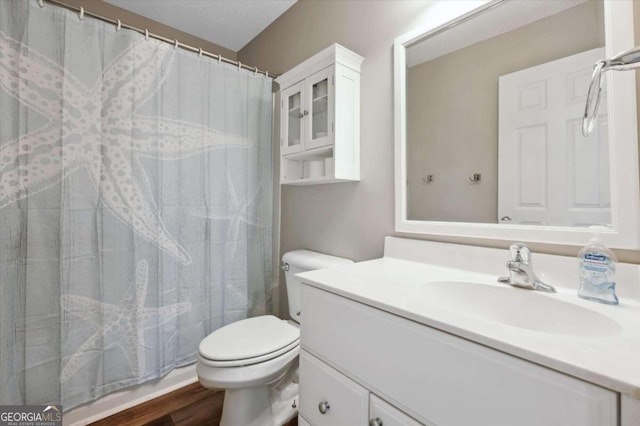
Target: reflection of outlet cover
x=426, y=180
x=476, y=178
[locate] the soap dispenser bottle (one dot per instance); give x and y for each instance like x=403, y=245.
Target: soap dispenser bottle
x=597, y=267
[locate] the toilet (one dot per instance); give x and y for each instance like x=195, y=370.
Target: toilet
x=255, y=360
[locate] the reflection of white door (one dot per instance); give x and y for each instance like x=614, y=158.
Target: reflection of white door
x=548, y=173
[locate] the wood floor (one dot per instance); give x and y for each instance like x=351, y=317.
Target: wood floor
x=192, y=405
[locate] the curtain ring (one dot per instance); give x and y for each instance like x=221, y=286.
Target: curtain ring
x=146, y=34
x=175, y=45
x=255, y=72
x=266, y=74
x=219, y=58
x=119, y=25
x=239, y=65
x=200, y=53
x=81, y=14
x=41, y=3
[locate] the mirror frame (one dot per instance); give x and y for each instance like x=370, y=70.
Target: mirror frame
x=623, y=154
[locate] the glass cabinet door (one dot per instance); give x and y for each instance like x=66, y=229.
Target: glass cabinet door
x=292, y=115
x=320, y=109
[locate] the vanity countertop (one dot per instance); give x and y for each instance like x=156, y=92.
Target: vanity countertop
x=611, y=360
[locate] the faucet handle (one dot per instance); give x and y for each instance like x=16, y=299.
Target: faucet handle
x=520, y=253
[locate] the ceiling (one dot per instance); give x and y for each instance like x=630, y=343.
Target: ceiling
x=228, y=23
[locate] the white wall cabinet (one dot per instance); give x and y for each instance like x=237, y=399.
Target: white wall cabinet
x=415, y=374
x=320, y=119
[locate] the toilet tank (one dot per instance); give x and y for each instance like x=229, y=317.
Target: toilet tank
x=297, y=261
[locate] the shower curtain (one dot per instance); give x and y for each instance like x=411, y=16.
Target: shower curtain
x=135, y=204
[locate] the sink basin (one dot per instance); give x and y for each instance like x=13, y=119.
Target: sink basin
x=515, y=307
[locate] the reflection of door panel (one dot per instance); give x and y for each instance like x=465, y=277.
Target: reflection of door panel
x=549, y=174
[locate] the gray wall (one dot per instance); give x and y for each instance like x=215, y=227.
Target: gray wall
x=351, y=219
x=344, y=219
x=453, y=147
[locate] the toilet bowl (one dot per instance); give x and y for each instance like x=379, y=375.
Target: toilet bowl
x=255, y=360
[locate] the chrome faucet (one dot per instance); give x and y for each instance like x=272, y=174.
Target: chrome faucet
x=521, y=270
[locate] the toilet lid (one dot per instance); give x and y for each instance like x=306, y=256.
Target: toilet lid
x=248, y=338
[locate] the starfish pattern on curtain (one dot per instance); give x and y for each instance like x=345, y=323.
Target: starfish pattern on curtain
x=236, y=212
x=92, y=128
x=123, y=324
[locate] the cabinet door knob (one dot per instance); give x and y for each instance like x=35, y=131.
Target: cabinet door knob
x=323, y=407
x=375, y=422
x=306, y=112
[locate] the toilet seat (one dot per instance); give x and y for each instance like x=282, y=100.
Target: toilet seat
x=249, y=361
x=249, y=341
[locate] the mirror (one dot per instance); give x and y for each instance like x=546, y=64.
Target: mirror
x=489, y=104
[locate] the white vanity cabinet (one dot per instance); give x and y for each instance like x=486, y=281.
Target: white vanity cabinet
x=381, y=413
x=302, y=421
x=320, y=119
x=329, y=398
x=354, y=354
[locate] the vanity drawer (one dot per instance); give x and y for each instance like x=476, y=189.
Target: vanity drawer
x=302, y=421
x=387, y=415
x=345, y=402
x=442, y=379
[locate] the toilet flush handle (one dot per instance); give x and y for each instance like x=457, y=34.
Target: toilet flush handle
x=285, y=267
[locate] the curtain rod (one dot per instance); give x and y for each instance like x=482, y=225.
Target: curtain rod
x=119, y=24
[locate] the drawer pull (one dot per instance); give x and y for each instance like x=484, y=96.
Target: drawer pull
x=323, y=407
x=375, y=422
